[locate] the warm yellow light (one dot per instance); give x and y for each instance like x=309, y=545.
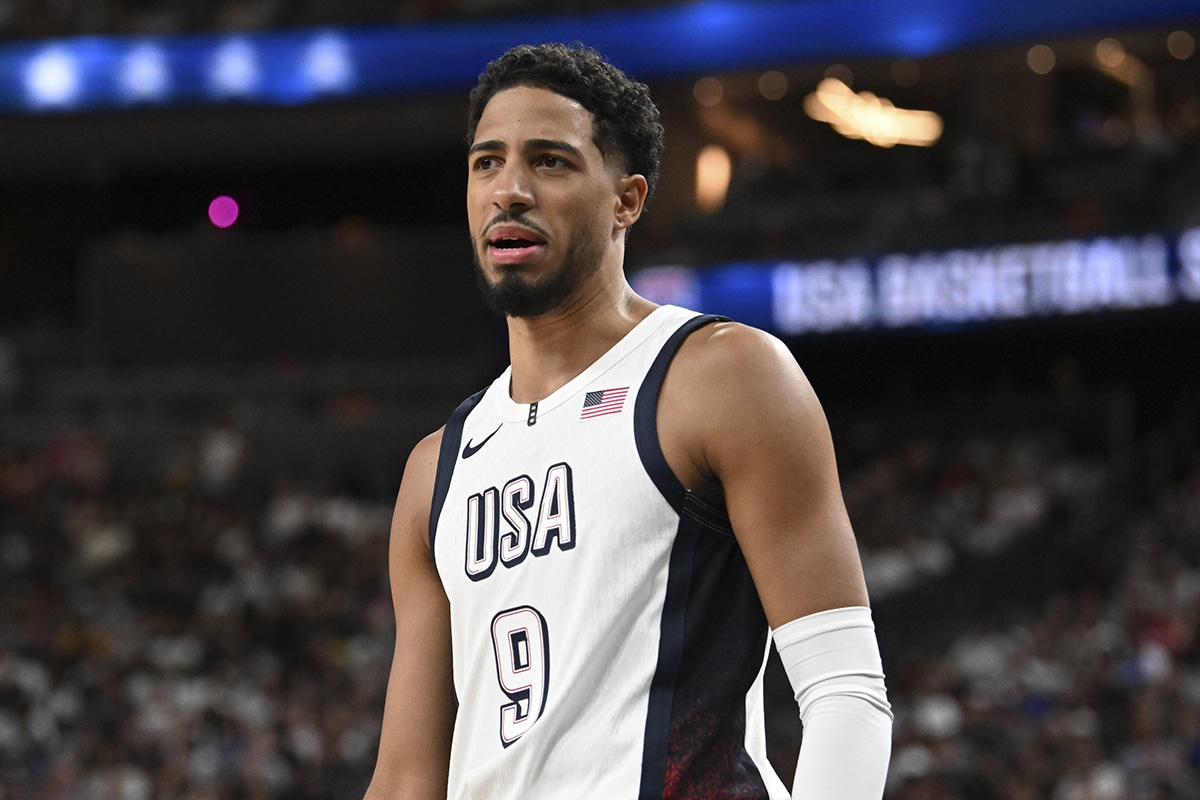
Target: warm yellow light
x=1113, y=60
x=1040, y=59
x=866, y=116
x=714, y=169
x=1181, y=45
x=1110, y=53
x=1125, y=67
x=773, y=84
x=708, y=91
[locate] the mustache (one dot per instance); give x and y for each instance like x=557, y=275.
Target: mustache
x=505, y=217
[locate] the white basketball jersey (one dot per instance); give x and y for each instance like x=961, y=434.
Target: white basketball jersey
x=608, y=641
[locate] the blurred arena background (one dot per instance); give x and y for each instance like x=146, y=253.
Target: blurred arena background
x=977, y=225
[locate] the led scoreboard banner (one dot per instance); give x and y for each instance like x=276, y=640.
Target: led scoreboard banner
x=293, y=66
x=942, y=289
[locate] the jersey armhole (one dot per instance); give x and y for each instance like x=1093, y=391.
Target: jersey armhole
x=645, y=419
x=447, y=458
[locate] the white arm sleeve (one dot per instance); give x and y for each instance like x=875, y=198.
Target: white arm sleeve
x=832, y=659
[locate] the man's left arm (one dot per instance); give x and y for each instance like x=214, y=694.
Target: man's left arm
x=749, y=419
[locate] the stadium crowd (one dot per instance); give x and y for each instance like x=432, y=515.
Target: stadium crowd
x=1094, y=697
x=217, y=632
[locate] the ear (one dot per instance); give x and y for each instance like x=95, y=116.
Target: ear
x=631, y=199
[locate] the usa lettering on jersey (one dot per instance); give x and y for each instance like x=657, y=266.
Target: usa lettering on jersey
x=499, y=527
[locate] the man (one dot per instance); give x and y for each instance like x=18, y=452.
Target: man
x=585, y=560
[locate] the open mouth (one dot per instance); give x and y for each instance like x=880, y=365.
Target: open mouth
x=514, y=244
x=511, y=244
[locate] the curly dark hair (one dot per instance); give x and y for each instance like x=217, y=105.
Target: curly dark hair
x=627, y=127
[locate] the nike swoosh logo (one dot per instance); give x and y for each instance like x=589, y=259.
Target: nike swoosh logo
x=471, y=449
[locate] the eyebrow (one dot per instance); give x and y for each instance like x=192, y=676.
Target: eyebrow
x=533, y=144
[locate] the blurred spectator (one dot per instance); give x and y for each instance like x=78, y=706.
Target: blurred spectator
x=221, y=456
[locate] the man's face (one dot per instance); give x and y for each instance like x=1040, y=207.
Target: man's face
x=540, y=201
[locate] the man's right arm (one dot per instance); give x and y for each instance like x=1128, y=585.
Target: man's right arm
x=418, y=715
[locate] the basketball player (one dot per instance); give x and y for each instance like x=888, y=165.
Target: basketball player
x=589, y=560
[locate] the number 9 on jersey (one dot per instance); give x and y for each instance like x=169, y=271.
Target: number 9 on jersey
x=522, y=646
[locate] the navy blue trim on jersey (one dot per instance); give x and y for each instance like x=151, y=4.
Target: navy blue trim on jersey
x=712, y=638
x=670, y=650
x=645, y=414
x=711, y=649
x=448, y=457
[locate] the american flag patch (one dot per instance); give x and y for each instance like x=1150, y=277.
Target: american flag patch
x=602, y=402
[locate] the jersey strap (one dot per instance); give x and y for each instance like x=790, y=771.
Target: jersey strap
x=448, y=457
x=646, y=414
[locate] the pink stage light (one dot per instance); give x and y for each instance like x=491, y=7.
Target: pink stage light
x=223, y=211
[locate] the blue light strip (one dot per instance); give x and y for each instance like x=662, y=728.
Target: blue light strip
x=300, y=66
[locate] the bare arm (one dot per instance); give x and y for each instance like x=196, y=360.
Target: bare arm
x=737, y=413
x=418, y=715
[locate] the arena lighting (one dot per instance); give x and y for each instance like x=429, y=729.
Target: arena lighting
x=942, y=289
x=773, y=84
x=1041, y=59
x=714, y=169
x=223, y=211
x=864, y=115
x=144, y=74
x=235, y=71
x=1112, y=59
x=691, y=38
x=1181, y=45
x=328, y=64
x=52, y=78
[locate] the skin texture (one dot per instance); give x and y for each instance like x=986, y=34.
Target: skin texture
x=738, y=421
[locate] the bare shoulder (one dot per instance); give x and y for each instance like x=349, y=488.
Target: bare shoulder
x=424, y=456
x=415, y=497
x=729, y=373
x=732, y=389
x=730, y=352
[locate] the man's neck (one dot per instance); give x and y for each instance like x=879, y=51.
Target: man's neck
x=548, y=351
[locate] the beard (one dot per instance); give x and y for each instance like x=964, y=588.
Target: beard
x=514, y=295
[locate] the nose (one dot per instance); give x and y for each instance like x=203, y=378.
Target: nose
x=512, y=189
